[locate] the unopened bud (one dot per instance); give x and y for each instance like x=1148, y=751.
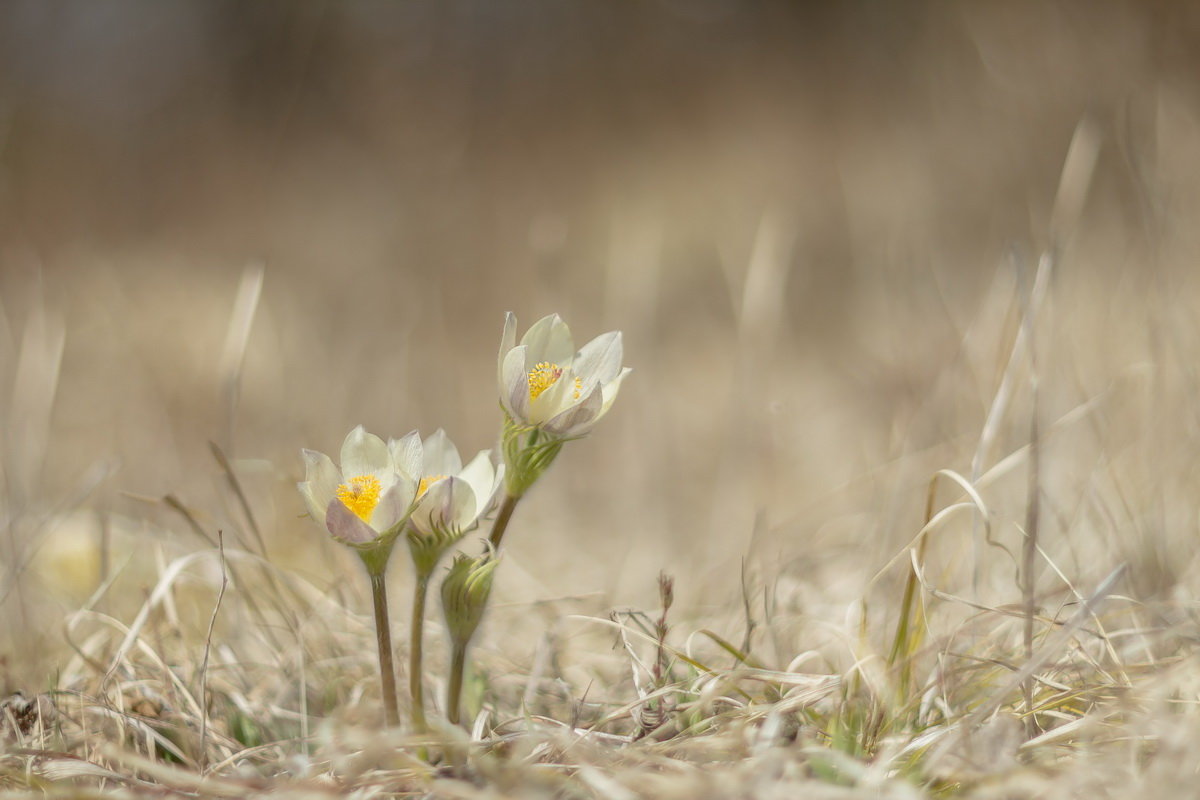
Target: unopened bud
x=465, y=592
x=428, y=547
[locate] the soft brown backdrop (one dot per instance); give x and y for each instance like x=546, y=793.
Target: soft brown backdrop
x=801, y=216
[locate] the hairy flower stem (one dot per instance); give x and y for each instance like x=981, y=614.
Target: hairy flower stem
x=416, y=654
x=376, y=563
x=458, y=665
x=507, y=506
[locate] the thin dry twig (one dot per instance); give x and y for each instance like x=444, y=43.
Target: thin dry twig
x=204, y=698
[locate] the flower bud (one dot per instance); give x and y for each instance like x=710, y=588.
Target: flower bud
x=428, y=546
x=465, y=592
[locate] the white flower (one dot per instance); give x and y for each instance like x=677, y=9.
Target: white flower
x=363, y=501
x=449, y=497
x=546, y=384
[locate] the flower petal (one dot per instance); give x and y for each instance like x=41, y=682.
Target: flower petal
x=448, y=505
x=514, y=384
x=600, y=359
x=610, y=390
x=321, y=479
x=439, y=455
x=580, y=417
x=508, y=340
x=345, y=526
x=393, y=504
x=405, y=454
x=549, y=340
x=554, y=399
x=364, y=454
x=480, y=475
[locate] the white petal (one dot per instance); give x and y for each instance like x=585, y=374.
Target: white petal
x=578, y=419
x=440, y=456
x=449, y=503
x=345, y=526
x=494, y=494
x=320, y=485
x=600, y=359
x=554, y=399
x=610, y=391
x=393, y=504
x=508, y=340
x=549, y=340
x=364, y=454
x=480, y=475
x=514, y=384
x=405, y=454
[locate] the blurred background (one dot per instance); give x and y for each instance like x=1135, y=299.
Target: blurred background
x=815, y=224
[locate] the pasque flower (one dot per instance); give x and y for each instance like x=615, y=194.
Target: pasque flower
x=367, y=499
x=550, y=394
x=381, y=484
x=449, y=501
x=383, y=488
x=546, y=384
x=365, y=504
x=449, y=496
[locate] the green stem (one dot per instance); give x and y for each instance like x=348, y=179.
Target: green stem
x=416, y=654
x=383, y=638
x=507, y=506
x=458, y=665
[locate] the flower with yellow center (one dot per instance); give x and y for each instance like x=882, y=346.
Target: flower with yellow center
x=544, y=375
x=426, y=482
x=449, y=497
x=360, y=494
x=547, y=385
x=364, y=501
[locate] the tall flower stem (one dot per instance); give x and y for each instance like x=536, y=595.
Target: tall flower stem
x=458, y=665
x=458, y=662
x=507, y=507
x=465, y=593
x=376, y=560
x=416, y=654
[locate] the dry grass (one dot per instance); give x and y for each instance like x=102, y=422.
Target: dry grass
x=846, y=307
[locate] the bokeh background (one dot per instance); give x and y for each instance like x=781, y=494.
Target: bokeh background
x=815, y=224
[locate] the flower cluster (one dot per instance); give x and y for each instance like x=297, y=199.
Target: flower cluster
x=382, y=486
x=420, y=488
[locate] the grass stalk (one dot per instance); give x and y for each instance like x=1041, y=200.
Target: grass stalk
x=908, y=633
x=1033, y=500
x=1029, y=552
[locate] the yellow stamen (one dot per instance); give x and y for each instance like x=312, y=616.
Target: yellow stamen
x=544, y=375
x=426, y=482
x=360, y=494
